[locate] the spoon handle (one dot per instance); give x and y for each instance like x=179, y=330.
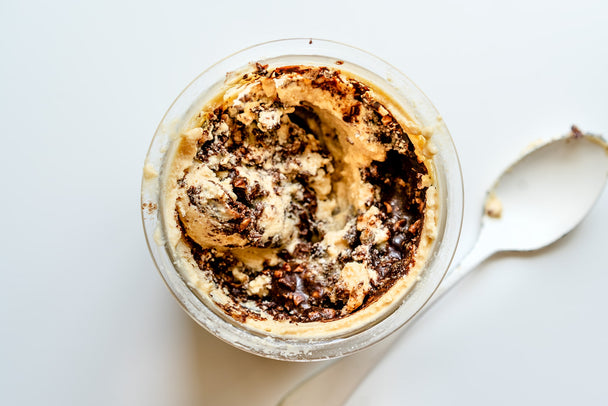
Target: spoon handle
x=472, y=260
x=339, y=379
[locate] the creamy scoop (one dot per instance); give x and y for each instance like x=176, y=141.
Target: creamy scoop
x=222, y=211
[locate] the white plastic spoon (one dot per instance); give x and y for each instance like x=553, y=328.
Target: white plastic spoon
x=534, y=203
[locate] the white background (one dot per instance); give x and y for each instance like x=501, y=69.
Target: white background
x=87, y=320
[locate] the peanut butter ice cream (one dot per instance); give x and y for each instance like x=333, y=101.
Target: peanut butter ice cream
x=300, y=201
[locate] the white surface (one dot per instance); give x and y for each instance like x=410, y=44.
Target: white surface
x=86, y=318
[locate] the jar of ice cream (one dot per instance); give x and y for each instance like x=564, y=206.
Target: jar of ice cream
x=302, y=199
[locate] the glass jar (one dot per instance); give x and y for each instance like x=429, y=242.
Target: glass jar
x=405, y=95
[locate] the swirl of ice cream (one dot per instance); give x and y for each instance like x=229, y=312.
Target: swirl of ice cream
x=296, y=196
x=235, y=199
x=219, y=210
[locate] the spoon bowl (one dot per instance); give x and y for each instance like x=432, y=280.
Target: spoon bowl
x=546, y=193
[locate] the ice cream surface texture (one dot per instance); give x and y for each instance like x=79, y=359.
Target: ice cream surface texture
x=300, y=201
